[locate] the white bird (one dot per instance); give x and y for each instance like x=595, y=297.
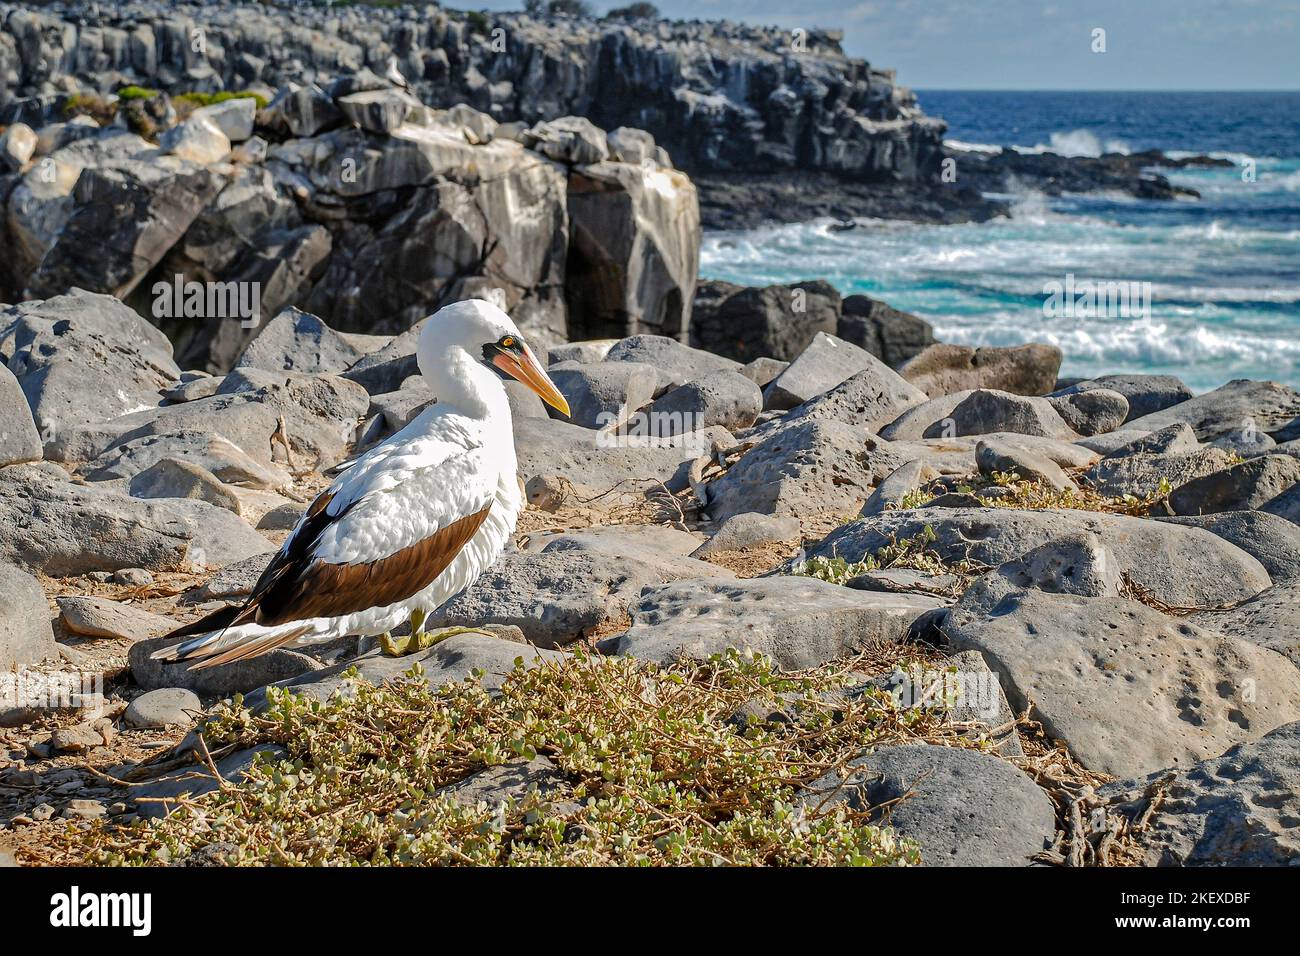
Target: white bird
x=412, y=522
x=394, y=75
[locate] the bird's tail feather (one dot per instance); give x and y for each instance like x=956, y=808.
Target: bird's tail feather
x=223, y=644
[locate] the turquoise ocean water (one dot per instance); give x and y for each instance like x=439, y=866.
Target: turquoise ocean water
x=1224, y=271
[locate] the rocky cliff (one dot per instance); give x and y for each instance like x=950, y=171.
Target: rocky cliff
x=722, y=97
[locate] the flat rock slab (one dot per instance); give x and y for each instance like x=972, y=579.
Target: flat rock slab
x=676, y=363
x=798, y=622
x=1129, y=690
x=449, y=661
x=100, y=617
x=566, y=590
x=1239, y=809
x=1185, y=567
x=965, y=809
x=1145, y=393
x=235, y=580
x=51, y=524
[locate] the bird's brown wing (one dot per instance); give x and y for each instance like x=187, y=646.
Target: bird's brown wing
x=296, y=585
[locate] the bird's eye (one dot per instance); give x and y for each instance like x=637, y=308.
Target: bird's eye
x=508, y=342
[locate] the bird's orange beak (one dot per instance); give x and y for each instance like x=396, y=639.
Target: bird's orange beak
x=524, y=367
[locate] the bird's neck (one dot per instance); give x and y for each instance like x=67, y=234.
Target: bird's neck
x=474, y=390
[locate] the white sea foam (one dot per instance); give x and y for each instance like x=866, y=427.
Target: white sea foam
x=1077, y=142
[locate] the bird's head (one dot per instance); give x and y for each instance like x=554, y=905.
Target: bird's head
x=475, y=333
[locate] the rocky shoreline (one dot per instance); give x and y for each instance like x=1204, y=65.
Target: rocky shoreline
x=1012, y=601
x=1115, y=558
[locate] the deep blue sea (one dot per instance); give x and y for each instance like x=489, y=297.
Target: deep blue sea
x=1224, y=270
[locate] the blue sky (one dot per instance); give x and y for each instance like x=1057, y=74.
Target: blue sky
x=1040, y=44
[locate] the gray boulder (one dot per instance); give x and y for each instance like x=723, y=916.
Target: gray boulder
x=798, y=622
x=1241, y=487
x=173, y=478
x=1286, y=505
x=238, y=677
x=603, y=394
x=302, y=110
x=1241, y=404
x=987, y=410
x=1092, y=412
x=1238, y=809
x=778, y=322
x=578, y=465
x=761, y=371
x=811, y=468
x=573, y=140
x=205, y=449
x=1172, y=439
x=993, y=456
x=895, y=487
x=1022, y=370
x=100, y=618
x=1270, y=539
x=890, y=334
x=870, y=398
x=676, y=363
x=83, y=358
x=721, y=398
x=379, y=111
x=1128, y=689
x=1145, y=393
x=26, y=636
x=142, y=205
x=825, y=363
x=749, y=530
x=165, y=707
x=234, y=117
x=19, y=439
x=1185, y=567
x=297, y=341
x=1246, y=442
x=963, y=807
x=1140, y=475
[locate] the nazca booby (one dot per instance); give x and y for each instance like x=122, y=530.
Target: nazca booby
x=412, y=522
